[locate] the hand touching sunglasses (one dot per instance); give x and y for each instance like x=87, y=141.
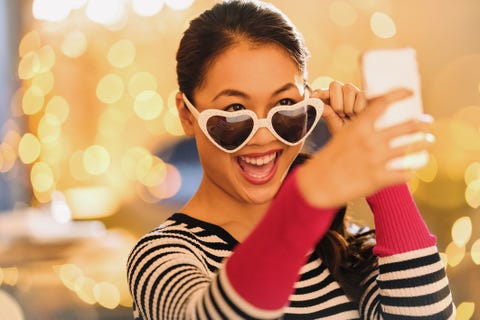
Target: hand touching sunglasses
x=231, y=130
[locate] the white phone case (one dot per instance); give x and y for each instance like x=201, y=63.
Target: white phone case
x=384, y=70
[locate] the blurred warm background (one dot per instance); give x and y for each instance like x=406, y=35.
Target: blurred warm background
x=92, y=155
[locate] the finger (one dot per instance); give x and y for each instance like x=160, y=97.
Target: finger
x=424, y=124
x=332, y=119
x=336, y=97
x=360, y=102
x=424, y=142
x=322, y=94
x=349, y=94
x=378, y=105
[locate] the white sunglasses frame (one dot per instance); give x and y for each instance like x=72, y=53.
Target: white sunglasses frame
x=203, y=116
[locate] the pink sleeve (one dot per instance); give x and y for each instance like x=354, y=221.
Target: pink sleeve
x=264, y=268
x=399, y=225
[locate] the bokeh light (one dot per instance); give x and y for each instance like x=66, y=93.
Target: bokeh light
x=29, y=148
x=179, y=4
x=141, y=81
x=462, y=231
x=465, y=311
x=110, y=88
x=33, y=100
x=472, y=194
x=382, y=25
x=475, y=252
x=147, y=8
x=96, y=159
x=74, y=44
x=106, y=12
x=455, y=254
x=51, y=10
x=121, y=54
x=148, y=105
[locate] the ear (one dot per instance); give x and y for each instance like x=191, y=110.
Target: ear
x=186, y=117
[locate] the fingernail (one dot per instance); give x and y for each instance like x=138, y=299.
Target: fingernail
x=430, y=138
x=426, y=118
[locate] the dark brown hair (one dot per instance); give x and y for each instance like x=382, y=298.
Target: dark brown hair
x=347, y=254
x=226, y=24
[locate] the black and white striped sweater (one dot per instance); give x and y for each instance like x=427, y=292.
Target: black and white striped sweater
x=177, y=272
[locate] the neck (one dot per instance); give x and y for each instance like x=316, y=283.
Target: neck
x=213, y=205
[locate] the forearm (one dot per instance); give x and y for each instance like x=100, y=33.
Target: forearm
x=398, y=223
x=264, y=268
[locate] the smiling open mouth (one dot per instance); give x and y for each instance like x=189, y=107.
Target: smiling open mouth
x=259, y=168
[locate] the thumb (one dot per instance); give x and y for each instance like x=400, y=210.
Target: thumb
x=378, y=105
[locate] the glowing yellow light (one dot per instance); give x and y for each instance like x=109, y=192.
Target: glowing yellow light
x=322, y=82
x=143, y=166
x=74, y=44
x=472, y=172
x=43, y=197
x=462, y=231
x=96, y=160
x=110, y=88
x=147, y=8
x=178, y=4
x=413, y=184
x=455, y=254
x=46, y=55
x=342, y=13
x=169, y=186
x=121, y=53
x=130, y=161
x=105, y=12
x=429, y=171
x=29, y=65
x=58, y=107
x=107, y=294
x=29, y=43
x=84, y=288
x=8, y=157
x=156, y=171
x=69, y=273
x=148, y=105
x=44, y=81
x=32, y=101
x=92, y=202
x=141, y=81
x=11, y=309
x=472, y=194
x=49, y=128
x=51, y=10
x=10, y=276
x=1, y=276
x=77, y=169
x=465, y=310
x=42, y=177
x=171, y=103
x=475, y=252
x=173, y=125
x=29, y=148
x=382, y=25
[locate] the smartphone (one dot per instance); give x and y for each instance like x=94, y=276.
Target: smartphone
x=384, y=70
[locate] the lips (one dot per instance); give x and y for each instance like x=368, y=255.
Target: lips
x=259, y=168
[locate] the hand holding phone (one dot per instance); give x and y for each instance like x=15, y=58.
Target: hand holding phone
x=384, y=70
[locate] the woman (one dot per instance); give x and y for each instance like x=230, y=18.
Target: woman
x=253, y=243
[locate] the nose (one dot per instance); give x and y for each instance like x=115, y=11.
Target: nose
x=263, y=136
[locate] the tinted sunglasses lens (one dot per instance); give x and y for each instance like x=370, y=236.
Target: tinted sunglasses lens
x=230, y=132
x=293, y=125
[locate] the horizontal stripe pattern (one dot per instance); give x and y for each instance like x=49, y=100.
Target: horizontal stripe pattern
x=176, y=272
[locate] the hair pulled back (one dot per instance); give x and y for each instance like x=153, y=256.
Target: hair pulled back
x=226, y=24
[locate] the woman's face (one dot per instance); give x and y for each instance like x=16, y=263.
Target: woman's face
x=256, y=78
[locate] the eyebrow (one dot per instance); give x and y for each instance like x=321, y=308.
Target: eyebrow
x=238, y=93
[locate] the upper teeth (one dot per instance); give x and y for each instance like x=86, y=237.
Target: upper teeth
x=259, y=161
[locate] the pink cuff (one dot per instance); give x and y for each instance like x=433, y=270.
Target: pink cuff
x=399, y=225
